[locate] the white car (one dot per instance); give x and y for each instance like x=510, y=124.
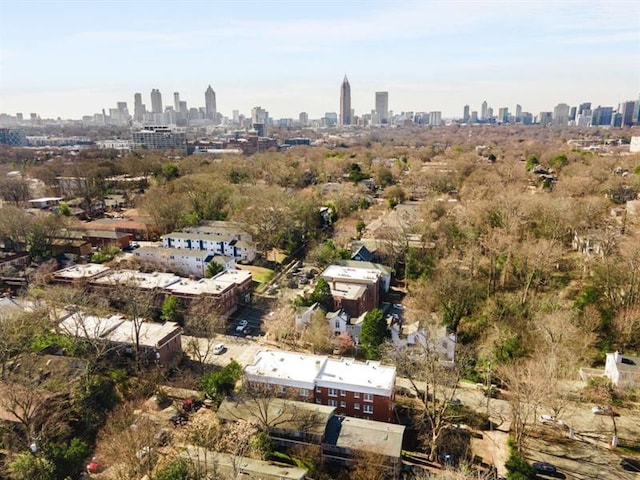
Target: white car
x=219, y=349
x=241, y=325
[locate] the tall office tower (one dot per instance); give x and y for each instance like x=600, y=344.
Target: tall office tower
x=236, y=116
x=484, y=111
x=211, y=110
x=465, y=114
x=156, y=101
x=489, y=113
x=259, y=118
x=601, y=116
x=435, y=118
x=382, y=107
x=345, y=102
x=503, y=115
x=474, y=117
x=561, y=114
x=176, y=101
x=584, y=106
x=573, y=113
x=518, y=112
x=627, y=109
x=304, y=119
x=183, y=107
x=138, y=107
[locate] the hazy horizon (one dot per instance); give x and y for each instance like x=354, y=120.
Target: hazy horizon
x=70, y=59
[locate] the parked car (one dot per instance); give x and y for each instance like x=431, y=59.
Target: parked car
x=241, y=325
x=544, y=468
x=546, y=419
x=219, y=349
x=608, y=411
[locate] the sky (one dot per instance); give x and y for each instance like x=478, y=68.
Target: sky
x=72, y=58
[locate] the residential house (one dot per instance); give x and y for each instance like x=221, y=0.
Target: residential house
x=159, y=342
x=358, y=389
x=623, y=370
x=304, y=315
x=14, y=260
x=44, y=202
x=182, y=261
x=107, y=238
x=361, y=254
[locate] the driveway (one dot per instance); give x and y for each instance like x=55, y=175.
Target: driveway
x=240, y=349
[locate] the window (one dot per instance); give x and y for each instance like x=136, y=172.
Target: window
x=368, y=409
x=318, y=400
x=318, y=390
x=333, y=403
x=337, y=323
x=356, y=406
x=368, y=397
x=304, y=392
x=343, y=393
x=343, y=404
x=333, y=392
x=280, y=389
x=356, y=394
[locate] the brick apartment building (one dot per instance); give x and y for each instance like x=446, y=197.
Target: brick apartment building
x=355, y=389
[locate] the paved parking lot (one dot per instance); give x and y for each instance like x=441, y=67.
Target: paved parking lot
x=240, y=349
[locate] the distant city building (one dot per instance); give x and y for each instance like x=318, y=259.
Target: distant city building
x=465, y=114
x=518, y=113
x=176, y=101
x=259, y=120
x=382, y=107
x=156, y=101
x=627, y=110
x=303, y=118
x=13, y=137
x=503, y=115
x=474, y=117
x=573, y=113
x=545, y=118
x=484, y=111
x=583, y=106
x=138, y=108
x=345, y=102
x=211, y=111
x=601, y=116
x=159, y=138
x=435, y=118
x=561, y=114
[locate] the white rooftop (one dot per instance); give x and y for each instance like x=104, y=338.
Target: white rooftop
x=167, y=252
x=116, y=328
x=45, y=199
x=305, y=371
x=285, y=368
x=367, y=377
x=75, y=272
x=344, y=273
x=351, y=291
x=146, y=281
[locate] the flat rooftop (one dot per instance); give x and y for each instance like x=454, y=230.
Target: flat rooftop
x=167, y=252
x=76, y=272
x=213, y=286
x=365, y=435
x=199, y=236
x=285, y=368
x=116, y=328
x=350, y=291
x=240, y=467
x=345, y=273
x=283, y=414
x=145, y=281
x=367, y=377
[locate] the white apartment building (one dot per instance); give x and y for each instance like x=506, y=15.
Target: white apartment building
x=221, y=243
x=182, y=261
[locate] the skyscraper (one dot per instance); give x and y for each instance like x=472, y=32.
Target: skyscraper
x=561, y=114
x=345, y=102
x=465, y=114
x=211, y=111
x=138, y=107
x=156, y=101
x=176, y=101
x=484, y=111
x=382, y=107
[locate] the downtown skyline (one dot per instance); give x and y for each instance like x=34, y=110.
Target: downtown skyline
x=67, y=59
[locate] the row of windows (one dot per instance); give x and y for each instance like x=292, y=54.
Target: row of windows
x=366, y=408
x=343, y=393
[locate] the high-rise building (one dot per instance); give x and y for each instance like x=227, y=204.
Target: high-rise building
x=601, y=116
x=484, y=111
x=304, y=119
x=465, y=114
x=503, y=115
x=138, y=108
x=561, y=114
x=211, y=110
x=518, y=112
x=176, y=101
x=382, y=107
x=627, y=110
x=345, y=102
x=545, y=118
x=573, y=113
x=435, y=118
x=159, y=138
x=584, y=106
x=156, y=101
x=259, y=119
